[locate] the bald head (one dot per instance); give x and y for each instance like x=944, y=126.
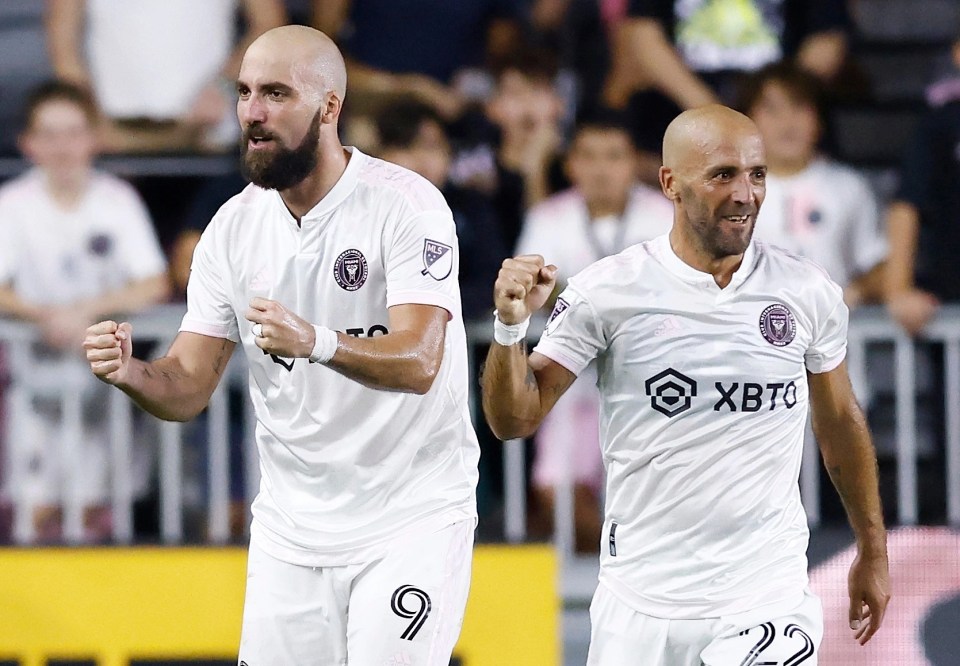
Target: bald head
x=697, y=133
x=315, y=62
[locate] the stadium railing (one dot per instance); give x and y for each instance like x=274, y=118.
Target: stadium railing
x=868, y=327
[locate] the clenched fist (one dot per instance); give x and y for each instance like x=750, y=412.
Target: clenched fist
x=523, y=285
x=108, y=347
x=279, y=331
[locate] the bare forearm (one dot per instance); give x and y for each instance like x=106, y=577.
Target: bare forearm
x=12, y=305
x=660, y=63
x=867, y=288
x=63, y=22
x=394, y=362
x=511, y=395
x=163, y=388
x=902, y=232
x=851, y=461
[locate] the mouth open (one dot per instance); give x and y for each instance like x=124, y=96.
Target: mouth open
x=737, y=219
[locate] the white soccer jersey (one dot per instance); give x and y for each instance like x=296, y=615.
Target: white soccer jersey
x=827, y=213
x=703, y=408
x=560, y=229
x=53, y=256
x=344, y=467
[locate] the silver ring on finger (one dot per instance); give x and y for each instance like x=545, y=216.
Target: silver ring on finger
x=257, y=330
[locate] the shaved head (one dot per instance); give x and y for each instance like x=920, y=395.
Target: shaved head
x=714, y=170
x=316, y=64
x=698, y=132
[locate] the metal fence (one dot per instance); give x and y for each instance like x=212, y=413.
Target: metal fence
x=869, y=326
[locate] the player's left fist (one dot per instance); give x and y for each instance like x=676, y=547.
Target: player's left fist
x=277, y=330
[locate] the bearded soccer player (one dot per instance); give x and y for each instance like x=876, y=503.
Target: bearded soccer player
x=710, y=349
x=337, y=274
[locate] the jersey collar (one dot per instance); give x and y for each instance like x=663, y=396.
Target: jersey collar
x=343, y=188
x=688, y=273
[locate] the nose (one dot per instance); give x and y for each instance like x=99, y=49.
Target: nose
x=251, y=110
x=743, y=190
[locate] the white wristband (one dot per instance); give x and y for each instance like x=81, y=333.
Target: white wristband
x=325, y=346
x=509, y=334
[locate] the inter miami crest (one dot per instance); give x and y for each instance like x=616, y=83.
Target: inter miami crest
x=777, y=325
x=437, y=259
x=350, y=270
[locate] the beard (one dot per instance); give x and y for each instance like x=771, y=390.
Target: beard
x=281, y=168
x=716, y=236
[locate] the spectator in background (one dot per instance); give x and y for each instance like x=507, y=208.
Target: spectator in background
x=412, y=135
x=514, y=155
x=814, y=206
x=923, y=220
x=78, y=245
x=430, y=49
x=163, y=71
x=671, y=55
x=604, y=212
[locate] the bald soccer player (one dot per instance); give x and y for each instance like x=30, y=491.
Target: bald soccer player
x=337, y=274
x=709, y=350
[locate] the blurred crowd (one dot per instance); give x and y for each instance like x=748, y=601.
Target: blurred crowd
x=539, y=120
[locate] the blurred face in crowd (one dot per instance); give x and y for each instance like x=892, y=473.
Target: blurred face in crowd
x=60, y=139
x=522, y=104
x=789, y=126
x=715, y=173
x=291, y=83
x=428, y=155
x=602, y=164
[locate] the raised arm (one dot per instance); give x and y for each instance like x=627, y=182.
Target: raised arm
x=405, y=359
x=519, y=390
x=176, y=387
x=851, y=461
x=644, y=57
x=63, y=24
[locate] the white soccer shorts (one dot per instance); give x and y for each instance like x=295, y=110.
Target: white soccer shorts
x=620, y=636
x=405, y=609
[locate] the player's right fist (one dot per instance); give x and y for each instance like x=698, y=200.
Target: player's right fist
x=108, y=347
x=523, y=285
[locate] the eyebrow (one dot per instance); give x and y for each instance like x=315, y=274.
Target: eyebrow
x=270, y=85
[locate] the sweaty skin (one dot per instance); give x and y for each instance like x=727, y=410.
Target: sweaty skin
x=714, y=170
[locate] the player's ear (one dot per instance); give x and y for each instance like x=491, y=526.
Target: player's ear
x=331, y=111
x=668, y=183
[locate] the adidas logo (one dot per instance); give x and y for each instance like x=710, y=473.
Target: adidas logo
x=669, y=325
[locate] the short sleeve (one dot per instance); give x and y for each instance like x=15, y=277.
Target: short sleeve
x=573, y=335
x=209, y=311
x=828, y=345
x=423, y=261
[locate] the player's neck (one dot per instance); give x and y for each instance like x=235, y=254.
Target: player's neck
x=693, y=254
x=305, y=195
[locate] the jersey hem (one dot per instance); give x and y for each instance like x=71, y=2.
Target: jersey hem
x=554, y=353
x=205, y=328
x=412, y=297
x=277, y=546
x=786, y=599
